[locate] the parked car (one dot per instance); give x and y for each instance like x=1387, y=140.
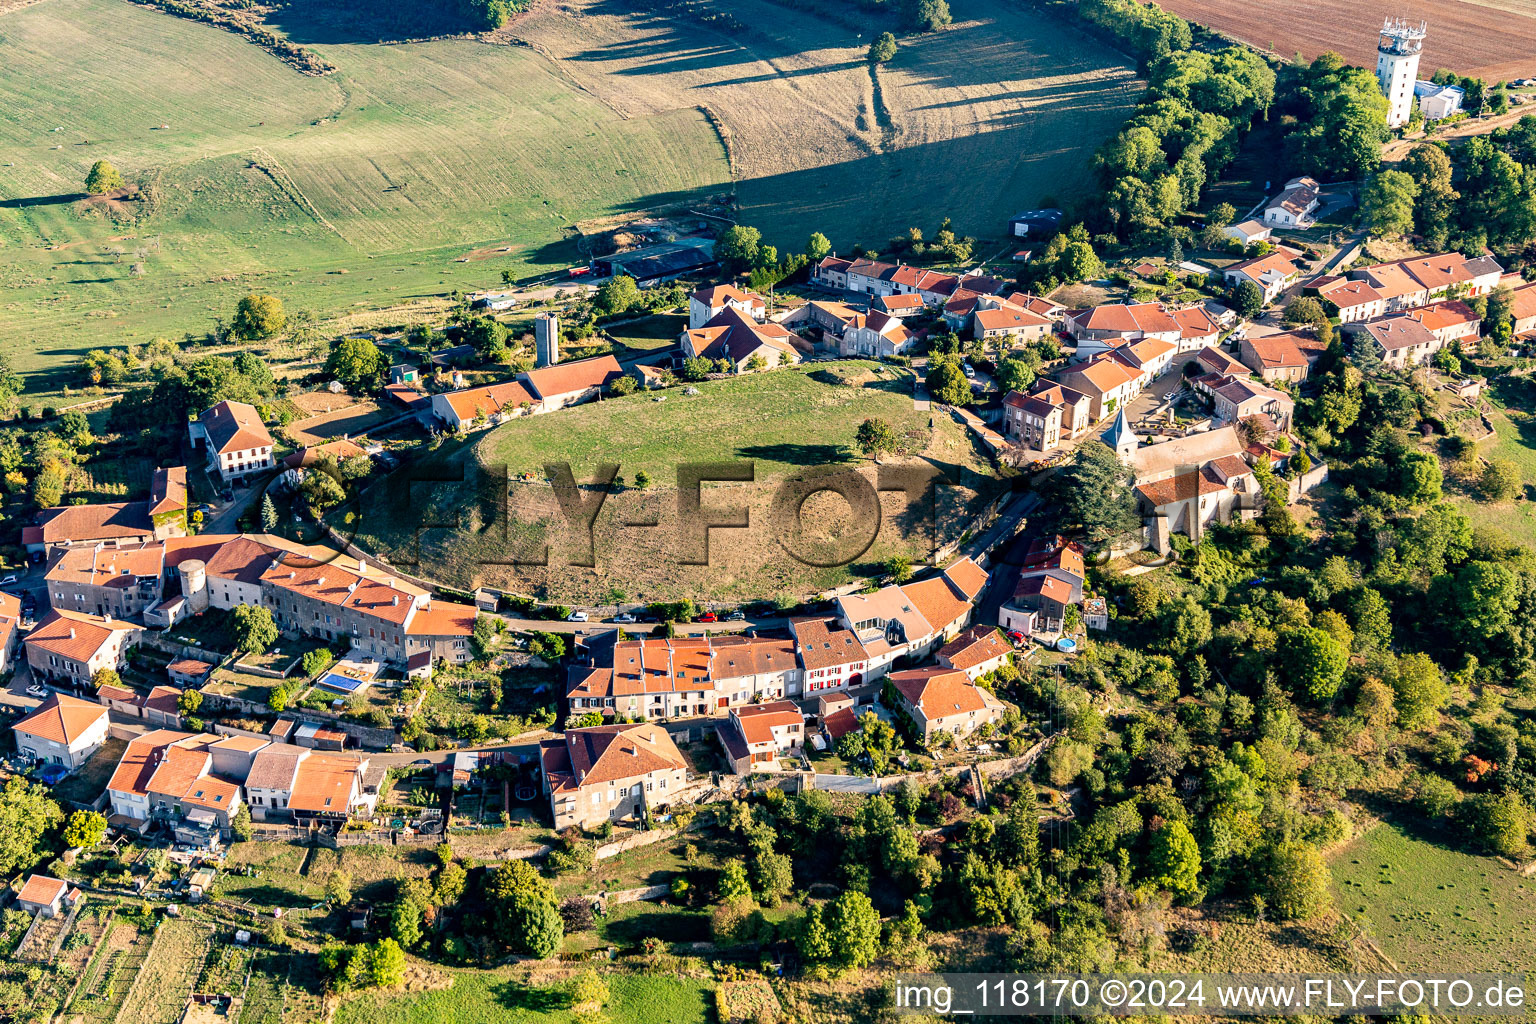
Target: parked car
x=708, y=617
x=576, y=617
x=37, y=690
x=8, y=580
x=1016, y=636
x=626, y=617
x=968, y=369
x=736, y=616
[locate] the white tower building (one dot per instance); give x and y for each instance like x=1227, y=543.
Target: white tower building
x=546, y=339
x=1397, y=66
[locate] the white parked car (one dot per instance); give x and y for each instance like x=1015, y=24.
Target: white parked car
x=576, y=617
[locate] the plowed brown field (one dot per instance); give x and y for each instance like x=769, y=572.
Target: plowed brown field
x=1493, y=40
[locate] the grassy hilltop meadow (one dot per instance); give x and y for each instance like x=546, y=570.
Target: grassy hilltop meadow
x=420, y=168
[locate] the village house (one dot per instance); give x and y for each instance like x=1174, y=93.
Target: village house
x=287, y=782
x=1050, y=580
x=754, y=737
x=898, y=306
x=1275, y=357
x=976, y=651
x=475, y=408
x=680, y=677
x=1450, y=321
x=166, y=775
x=829, y=319
x=562, y=384
x=10, y=630
x=1097, y=327
x=943, y=701
x=42, y=896
x=1236, y=398
x=1349, y=300
x=1197, y=327
x=1048, y=416
x=1152, y=356
x=875, y=335
x=735, y=337
x=115, y=524
x=1108, y=382
x=236, y=441
x=1271, y=274
x=610, y=773
x=1008, y=322
x=1399, y=341
x=74, y=646
x=707, y=303
x=752, y=668
x=1248, y=232
x=63, y=730
x=1524, y=307
x=1420, y=280
x=831, y=657
x=1294, y=206
x=118, y=582
x=1215, y=360
x=1217, y=492
x=296, y=464
x=911, y=619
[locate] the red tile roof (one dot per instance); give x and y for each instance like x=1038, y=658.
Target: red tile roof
x=938, y=692
x=568, y=378
x=62, y=719
x=234, y=426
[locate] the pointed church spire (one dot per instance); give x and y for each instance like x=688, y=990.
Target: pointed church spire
x=1120, y=436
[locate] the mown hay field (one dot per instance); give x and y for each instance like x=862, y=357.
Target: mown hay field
x=1489, y=38
x=783, y=422
x=359, y=190
x=977, y=122
x=1428, y=905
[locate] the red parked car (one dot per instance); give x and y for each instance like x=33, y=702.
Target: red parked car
x=1016, y=636
x=709, y=617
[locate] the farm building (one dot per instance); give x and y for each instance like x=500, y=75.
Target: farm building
x=42, y=895
x=654, y=264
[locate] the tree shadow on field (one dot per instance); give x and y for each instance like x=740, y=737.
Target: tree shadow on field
x=342, y=21
x=29, y=201
x=535, y=1000
x=668, y=927
x=793, y=454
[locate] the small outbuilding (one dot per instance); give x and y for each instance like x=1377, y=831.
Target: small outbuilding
x=42, y=895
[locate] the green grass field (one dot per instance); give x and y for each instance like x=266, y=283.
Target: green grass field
x=498, y=996
x=785, y=422
x=1427, y=905
x=364, y=189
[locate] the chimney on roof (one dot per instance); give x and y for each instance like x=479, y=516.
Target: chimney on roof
x=362, y=566
x=71, y=632
x=320, y=582
x=395, y=599
x=389, y=583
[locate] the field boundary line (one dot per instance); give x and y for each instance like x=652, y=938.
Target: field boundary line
x=284, y=181
x=7, y=6
x=568, y=76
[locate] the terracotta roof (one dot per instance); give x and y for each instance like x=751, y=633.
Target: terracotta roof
x=234, y=426
x=737, y=656
x=1008, y=318
x=717, y=295
x=74, y=635
x=1195, y=322
x=1440, y=315
x=937, y=602
x=62, y=719
x=168, y=490
x=1053, y=587
x=1208, y=479
x=731, y=334
x=107, y=567
x=324, y=783
x=336, y=450
x=967, y=577
x=406, y=394
x=975, y=646
x=42, y=890
x=1277, y=351
x=757, y=721
x=76, y=523
x=1141, y=317
x=1525, y=302
x=661, y=666
x=840, y=723
x=613, y=752
x=118, y=693
x=442, y=618
x=567, y=378
x=891, y=302
x=823, y=644
x=163, y=699
x=189, y=667
x=244, y=744
x=140, y=760
x=1057, y=394
x=1276, y=263
x=490, y=400
x=1104, y=373
x=938, y=692
x=1218, y=361
x=1137, y=354
x=334, y=585
x=1347, y=294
